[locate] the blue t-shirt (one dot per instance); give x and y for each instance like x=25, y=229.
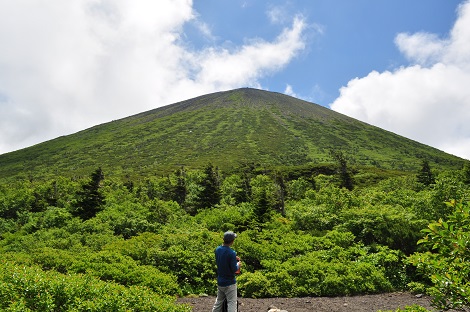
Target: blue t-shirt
x=227, y=265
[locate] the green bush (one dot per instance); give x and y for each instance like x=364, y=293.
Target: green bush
x=236, y=218
x=128, y=219
x=333, y=272
x=31, y=289
x=296, y=189
x=279, y=244
x=111, y=266
x=254, y=284
x=315, y=219
x=412, y=308
x=187, y=254
x=390, y=226
x=448, y=261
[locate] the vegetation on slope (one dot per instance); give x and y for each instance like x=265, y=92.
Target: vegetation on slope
x=304, y=236
x=226, y=129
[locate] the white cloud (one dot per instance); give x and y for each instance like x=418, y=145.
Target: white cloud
x=225, y=69
x=277, y=14
x=204, y=29
x=428, y=101
x=290, y=91
x=68, y=65
x=423, y=48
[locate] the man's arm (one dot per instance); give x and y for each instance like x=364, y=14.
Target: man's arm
x=235, y=263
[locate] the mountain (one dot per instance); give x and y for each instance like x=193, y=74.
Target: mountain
x=226, y=129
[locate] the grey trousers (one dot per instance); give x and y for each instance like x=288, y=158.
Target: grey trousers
x=229, y=293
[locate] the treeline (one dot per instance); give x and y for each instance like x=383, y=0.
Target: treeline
x=299, y=235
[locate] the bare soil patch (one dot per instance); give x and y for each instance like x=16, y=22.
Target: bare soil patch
x=364, y=303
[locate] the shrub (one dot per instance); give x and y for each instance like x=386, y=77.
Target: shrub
x=318, y=273
x=412, y=308
x=254, y=285
x=236, y=218
x=188, y=255
x=111, y=266
x=390, y=226
x=31, y=289
x=312, y=218
x=448, y=262
x=296, y=189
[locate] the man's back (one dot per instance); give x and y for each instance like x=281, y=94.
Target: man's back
x=226, y=260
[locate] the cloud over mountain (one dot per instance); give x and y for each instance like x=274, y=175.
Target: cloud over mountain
x=428, y=100
x=68, y=65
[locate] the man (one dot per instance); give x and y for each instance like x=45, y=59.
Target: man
x=228, y=264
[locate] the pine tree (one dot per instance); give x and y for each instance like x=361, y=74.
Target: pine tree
x=281, y=189
x=180, y=190
x=345, y=176
x=466, y=173
x=210, y=194
x=425, y=175
x=262, y=207
x=90, y=199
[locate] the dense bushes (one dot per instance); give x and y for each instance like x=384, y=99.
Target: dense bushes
x=299, y=237
x=447, y=263
x=317, y=273
x=32, y=289
x=323, y=266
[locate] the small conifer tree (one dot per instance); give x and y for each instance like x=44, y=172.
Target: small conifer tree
x=425, y=175
x=210, y=194
x=90, y=199
x=345, y=177
x=466, y=173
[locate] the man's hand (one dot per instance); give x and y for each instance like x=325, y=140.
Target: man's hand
x=239, y=262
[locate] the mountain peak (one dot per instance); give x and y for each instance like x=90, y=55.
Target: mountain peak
x=226, y=129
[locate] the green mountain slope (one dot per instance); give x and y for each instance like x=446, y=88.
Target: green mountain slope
x=227, y=129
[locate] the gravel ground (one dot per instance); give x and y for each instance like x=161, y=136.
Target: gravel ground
x=365, y=303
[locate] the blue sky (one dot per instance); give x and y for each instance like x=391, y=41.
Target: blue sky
x=345, y=39
x=401, y=65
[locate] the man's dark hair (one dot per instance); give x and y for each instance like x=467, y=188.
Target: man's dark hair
x=229, y=237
